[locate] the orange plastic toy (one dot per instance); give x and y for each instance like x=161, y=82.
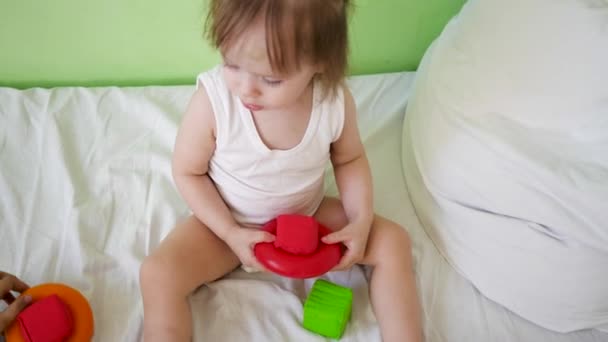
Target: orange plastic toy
x=82, y=316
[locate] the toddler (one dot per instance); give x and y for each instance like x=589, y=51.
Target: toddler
x=254, y=142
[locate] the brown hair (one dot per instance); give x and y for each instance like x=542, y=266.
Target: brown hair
x=313, y=30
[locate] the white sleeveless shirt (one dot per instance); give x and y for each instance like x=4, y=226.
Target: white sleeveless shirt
x=258, y=183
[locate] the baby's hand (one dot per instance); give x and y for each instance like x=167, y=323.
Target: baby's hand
x=242, y=240
x=354, y=237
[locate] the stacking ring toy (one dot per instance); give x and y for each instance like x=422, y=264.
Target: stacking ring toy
x=297, y=251
x=57, y=313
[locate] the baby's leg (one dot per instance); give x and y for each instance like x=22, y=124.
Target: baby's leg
x=188, y=257
x=392, y=285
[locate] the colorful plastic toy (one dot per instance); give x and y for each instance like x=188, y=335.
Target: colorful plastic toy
x=298, y=251
x=327, y=309
x=297, y=234
x=57, y=313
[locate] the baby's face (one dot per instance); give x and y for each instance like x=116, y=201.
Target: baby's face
x=249, y=76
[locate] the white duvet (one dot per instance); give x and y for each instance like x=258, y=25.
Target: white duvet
x=86, y=193
x=506, y=155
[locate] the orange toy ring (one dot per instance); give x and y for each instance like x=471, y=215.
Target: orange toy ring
x=79, y=307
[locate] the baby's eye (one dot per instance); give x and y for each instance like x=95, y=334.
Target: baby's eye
x=271, y=81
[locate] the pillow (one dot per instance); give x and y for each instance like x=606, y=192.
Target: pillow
x=505, y=154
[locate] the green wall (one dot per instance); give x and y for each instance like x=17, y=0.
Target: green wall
x=159, y=42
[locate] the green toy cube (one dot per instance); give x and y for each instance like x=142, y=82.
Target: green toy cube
x=327, y=309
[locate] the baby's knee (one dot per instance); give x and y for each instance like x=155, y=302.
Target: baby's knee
x=155, y=273
x=401, y=238
x=396, y=243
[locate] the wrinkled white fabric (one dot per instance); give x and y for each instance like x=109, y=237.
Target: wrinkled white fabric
x=506, y=155
x=86, y=192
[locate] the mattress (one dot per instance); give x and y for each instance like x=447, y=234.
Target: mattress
x=86, y=192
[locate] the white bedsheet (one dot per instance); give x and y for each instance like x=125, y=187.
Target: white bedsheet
x=86, y=193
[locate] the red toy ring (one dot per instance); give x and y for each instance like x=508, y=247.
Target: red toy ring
x=277, y=260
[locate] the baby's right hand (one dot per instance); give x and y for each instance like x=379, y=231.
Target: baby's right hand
x=242, y=240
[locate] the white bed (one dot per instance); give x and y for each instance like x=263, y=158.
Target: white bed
x=86, y=193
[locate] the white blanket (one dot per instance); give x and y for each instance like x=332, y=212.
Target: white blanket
x=506, y=155
x=86, y=192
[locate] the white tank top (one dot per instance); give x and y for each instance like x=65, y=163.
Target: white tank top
x=258, y=183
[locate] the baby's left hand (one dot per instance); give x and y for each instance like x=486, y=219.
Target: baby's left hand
x=354, y=237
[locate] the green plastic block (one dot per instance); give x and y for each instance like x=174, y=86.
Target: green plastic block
x=327, y=309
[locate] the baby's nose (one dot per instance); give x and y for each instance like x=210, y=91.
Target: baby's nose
x=249, y=87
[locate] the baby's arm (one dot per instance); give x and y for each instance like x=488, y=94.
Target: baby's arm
x=351, y=167
x=353, y=178
x=194, y=146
